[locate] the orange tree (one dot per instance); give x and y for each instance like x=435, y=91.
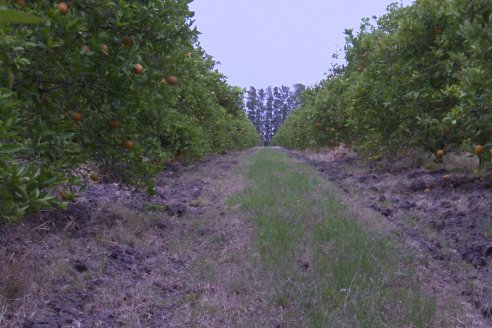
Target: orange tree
x=118, y=85
x=416, y=78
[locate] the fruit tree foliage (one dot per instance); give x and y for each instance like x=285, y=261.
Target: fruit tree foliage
x=418, y=77
x=120, y=87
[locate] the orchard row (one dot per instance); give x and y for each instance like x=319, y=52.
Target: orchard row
x=101, y=89
x=417, y=77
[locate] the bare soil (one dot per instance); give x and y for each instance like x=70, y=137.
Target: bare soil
x=446, y=216
x=118, y=258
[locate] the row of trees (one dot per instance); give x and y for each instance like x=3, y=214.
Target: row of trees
x=268, y=108
x=418, y=77
x=107, y=89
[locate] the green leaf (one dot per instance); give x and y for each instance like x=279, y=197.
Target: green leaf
x=5, y=93
x=18, y=17
x=10, y=78
x=10, y=148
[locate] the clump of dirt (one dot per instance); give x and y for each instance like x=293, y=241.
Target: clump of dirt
x=116, y=257
x=447, y=214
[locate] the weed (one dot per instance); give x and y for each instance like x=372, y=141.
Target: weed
x=155, y=207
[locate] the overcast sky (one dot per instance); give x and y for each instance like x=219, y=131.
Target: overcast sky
x=278, y=42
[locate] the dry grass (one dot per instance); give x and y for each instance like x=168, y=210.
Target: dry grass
x=124, y=266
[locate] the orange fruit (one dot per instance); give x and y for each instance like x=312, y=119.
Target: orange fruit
x=77, y=117
x=440, y=153
x=128, y=144
x=94, y=177
x=478, y=149
x=127, y=41
x=63, y=8
x=172, y=80
x=113, y=124
x=138, y=69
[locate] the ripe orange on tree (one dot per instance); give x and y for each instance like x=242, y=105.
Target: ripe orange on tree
x=128, y=144
x=478, y=149
x=138, y=69
x=127, y=41
x=171, y=79
x=113, y=124
x=77, y=117
x=63, y=8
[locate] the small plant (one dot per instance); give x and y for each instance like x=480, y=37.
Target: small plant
x=156, y=207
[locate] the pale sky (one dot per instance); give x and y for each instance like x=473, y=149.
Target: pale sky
x=278, y=42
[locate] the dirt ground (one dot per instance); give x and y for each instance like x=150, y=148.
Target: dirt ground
x=117, y=258
x=445, y=216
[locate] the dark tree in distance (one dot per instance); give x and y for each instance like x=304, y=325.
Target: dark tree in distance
x=297, y=95
x=268, y=115
x=285, y=96
x=278, y=105
x=253, y=108
x=268, y=108
x=261, y=114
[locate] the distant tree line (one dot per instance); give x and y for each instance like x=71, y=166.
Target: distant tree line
x=268, y=108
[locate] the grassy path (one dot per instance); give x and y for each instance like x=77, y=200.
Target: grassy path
x=319, y=265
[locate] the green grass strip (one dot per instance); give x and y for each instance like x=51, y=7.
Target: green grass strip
x=321, y=265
